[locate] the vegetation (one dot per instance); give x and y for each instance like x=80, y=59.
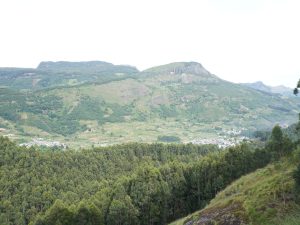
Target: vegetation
x=266, y=196
x=168, y=139
x=279, y=144
x=296, y=90
x=297, y=178
x=262, y=197
x=58, y=74
x=146, y=184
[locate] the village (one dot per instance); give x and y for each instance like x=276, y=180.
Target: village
x=226, y=138
x=45, y=143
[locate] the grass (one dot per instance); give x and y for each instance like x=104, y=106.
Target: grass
x=292, y=219
x=128, y=131
x=178, y=222
x=263, y=194
x=265, y=197
x=134, y=131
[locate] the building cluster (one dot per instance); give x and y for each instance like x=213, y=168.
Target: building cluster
x=226, y=138
x=45, y=143
x=221, y=142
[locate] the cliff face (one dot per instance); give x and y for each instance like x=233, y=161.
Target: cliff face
x=194, y=68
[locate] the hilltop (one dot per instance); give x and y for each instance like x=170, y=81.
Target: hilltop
x=62, y=73
x=179, y=68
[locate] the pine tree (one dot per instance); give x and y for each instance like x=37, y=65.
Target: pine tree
x=279, y=144
x=297, y=177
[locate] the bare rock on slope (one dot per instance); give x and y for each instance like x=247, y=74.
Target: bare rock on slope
x=220, y=216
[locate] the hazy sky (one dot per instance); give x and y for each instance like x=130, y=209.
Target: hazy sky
x=238, y=40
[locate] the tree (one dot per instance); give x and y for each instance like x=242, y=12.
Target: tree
x=296, y=176
x=296, y=91
x=57, y=214
x=121, y=209
x=279, y=144
x=149, y=193
x=87, y=214
x=122, y=212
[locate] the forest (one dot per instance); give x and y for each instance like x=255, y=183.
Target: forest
x=122, y=184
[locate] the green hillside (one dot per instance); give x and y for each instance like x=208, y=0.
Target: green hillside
x=54, y=74
x=104, y=103
x=264, y=197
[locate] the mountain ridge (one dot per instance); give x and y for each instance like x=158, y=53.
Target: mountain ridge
x=179, y=68
x=280, y=89
x=66, y=65
x=182, y=100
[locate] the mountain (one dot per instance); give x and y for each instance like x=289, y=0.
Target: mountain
x=286, y=91
x=100, y=103
x=89, y=67
x=61, y=73
x=264, y=197
x=179, y=68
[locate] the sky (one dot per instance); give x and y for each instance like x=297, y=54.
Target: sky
x=237, y=40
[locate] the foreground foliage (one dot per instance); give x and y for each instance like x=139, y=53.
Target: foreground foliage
x=267, y=196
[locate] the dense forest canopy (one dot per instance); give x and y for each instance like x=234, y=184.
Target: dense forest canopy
x=121, y=184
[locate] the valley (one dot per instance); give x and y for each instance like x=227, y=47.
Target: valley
x=97, y=103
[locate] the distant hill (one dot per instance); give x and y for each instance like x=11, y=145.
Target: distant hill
x=84, y=103
x=95, y=67
x=286, y=91
x=61, y=73
x=179, y=68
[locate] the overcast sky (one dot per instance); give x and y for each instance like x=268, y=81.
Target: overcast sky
x=238, y=40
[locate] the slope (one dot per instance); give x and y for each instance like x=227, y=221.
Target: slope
x=285, y=91
x=266, y=196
